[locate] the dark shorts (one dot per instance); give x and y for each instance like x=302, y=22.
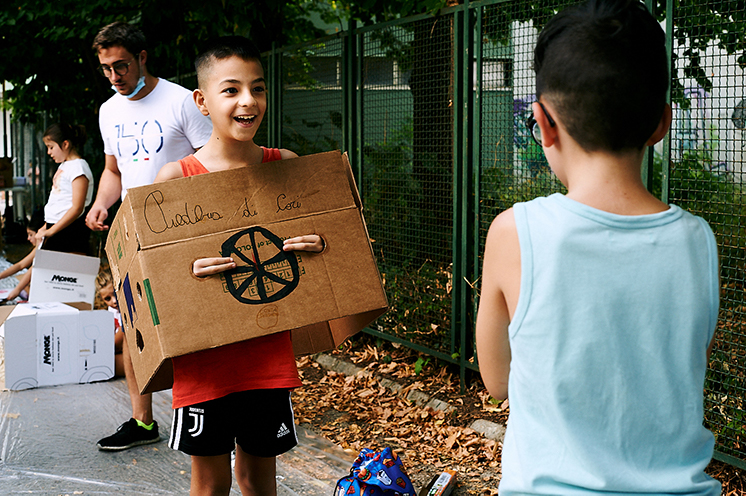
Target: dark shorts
x=260, y=421
x=72, y=239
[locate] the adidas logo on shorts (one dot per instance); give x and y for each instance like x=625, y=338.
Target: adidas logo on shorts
x=284, y=431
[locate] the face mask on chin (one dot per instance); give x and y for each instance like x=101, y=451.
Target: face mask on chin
x=140, y=85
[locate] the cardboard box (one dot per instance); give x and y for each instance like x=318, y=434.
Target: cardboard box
x=63, y=277
x=46, y=344
x=245, y=213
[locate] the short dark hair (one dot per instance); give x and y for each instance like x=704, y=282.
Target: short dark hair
x=120, y=34
x=602, y=65
x=62, y=131
x=222, y=48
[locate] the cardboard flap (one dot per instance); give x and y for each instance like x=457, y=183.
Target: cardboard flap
x=5, y=311
x=70, y=262
x=351, y=179
x=185, y=208
x=328, y=335
x=80, y=305
x=163, y=378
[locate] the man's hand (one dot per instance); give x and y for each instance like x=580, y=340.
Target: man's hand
x=96, y=217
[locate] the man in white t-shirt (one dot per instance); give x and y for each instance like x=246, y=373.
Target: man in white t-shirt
x=146, y=124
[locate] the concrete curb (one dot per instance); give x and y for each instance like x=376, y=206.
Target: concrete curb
x=486, y=428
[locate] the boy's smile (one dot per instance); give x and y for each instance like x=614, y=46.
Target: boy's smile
x=234, y=97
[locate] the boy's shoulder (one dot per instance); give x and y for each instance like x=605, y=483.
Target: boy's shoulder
x=171, y=170
x=285, y=154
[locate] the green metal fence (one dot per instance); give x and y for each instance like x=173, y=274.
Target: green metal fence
x=431, y=111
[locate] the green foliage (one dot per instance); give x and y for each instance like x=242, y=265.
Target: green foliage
x=501, y=188
x=719, y=199
x=419, y=302
x=47, y=52
x=390, y=193
x=323, y=136
x=48, y=60
x=420, y=364
x=715, y=196
x=725, y=412
x=371, y=11
x=419, y=292
x=697, y=25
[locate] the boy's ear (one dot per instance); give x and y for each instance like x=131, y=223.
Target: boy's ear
x=548, y=132
x=143, y=57
x=199, y=100
x=662, y=128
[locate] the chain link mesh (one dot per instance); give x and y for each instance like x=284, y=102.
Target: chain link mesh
x=407, y=157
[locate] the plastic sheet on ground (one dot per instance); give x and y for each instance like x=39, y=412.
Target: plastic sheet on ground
x=48, y=436
x=48, y=446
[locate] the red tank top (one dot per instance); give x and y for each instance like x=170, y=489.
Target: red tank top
x=266, y=362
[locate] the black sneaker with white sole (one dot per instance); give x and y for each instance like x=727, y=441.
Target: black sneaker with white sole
x=128, y=435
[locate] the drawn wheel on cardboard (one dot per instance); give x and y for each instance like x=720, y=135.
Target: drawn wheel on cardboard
x=267, y=274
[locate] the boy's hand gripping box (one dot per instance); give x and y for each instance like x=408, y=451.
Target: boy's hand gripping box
x=46, y=344
x=244, y=213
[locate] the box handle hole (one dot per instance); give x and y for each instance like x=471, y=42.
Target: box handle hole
x=140, y=342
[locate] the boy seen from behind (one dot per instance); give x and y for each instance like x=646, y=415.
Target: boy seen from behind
x=236, y=396
x=598, y=308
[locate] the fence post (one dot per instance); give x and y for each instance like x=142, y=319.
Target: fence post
x=350, y=89
x=476, y=160
x=666, y=159
x=648, y=161
x=462, y=187
x=274, y=130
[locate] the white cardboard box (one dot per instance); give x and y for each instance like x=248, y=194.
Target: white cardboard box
x=53, y=343
x=65, y=277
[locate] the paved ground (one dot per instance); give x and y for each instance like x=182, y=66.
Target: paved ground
x=48, y=436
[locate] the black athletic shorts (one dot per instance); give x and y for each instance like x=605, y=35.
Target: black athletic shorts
x=260, y=421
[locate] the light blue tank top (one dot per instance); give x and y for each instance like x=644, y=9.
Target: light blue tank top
x=608, y=346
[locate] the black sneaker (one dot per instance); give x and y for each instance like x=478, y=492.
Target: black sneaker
x=129, y=434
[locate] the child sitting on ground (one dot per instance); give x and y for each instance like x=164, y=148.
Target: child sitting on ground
x=597, y=307
x=240, y=392
x=105, y=293
x=21, y=289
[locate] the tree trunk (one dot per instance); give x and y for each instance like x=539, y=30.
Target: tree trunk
x=431, y=84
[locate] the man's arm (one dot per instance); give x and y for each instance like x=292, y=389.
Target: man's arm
x=109, y=191
x=497, y=300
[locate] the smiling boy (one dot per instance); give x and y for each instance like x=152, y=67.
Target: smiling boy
x=236, y=396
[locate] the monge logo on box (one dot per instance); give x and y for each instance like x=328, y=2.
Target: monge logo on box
x=59, y=278
x=48, y=350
